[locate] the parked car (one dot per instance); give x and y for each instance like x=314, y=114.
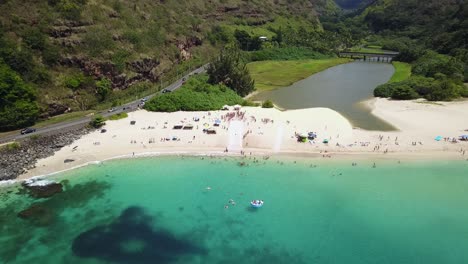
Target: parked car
x=27, y=130
x=111, y=110
x=166, y=91
x=144, y=99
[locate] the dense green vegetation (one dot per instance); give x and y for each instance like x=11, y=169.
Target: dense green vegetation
x=269, y=75
x=83, y=55
x=195, y=95
x=402, y=71
x=431, y=36
x=17, y=100
x=440, y=88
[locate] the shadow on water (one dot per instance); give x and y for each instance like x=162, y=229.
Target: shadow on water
x=251, y=209
x=131, y=239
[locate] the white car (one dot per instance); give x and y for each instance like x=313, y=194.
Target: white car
x=111, y=110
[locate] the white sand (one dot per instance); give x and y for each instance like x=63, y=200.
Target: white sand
x=417, y=122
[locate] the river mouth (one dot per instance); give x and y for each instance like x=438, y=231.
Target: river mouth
x=342, y=88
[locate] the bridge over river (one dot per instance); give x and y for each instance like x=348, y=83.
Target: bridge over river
x=386, y=56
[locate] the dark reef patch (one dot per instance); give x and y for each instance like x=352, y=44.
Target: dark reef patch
x=21, y=217
x=131, y=238
x=40, y=215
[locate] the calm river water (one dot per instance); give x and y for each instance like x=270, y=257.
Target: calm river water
x=341, y=88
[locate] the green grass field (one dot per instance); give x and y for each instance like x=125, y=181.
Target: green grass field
x=270, y=75
x=402, y=71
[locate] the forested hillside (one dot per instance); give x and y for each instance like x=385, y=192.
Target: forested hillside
x=432, y=35
x=72, y=55
x=441, y=25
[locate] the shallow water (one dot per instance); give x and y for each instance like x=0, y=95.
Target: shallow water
x=340, y=88
x=159, y=210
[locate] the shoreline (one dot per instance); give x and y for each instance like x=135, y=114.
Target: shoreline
x=351, y=156
x=252, y=130
x=284, y=156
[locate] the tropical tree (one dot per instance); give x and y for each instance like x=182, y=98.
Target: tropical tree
x=230, y=70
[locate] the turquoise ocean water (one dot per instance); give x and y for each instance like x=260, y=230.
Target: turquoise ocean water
x=172, y=210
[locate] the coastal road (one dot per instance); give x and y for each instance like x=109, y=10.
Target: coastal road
x=74, y=124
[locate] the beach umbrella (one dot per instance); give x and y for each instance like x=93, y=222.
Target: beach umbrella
x=438, y=138
x=225, y=107
x=237, y=107
x=325, y=141
x=217, y=121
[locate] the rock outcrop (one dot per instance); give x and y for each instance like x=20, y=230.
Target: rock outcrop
x=14, y=162
x=39, y=188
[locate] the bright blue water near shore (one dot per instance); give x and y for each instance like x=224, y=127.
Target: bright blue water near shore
x=159, y=210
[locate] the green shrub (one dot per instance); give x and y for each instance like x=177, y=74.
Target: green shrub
x=118, y=116
x=218, y=34
x=403, y=92
x=10, y=146
x=119, y=59
x=384, y=90
x=249, y=103
x=267, y=104
x=34, y=38
x=98, y=121
x=50, y=55
x=70, y=9
x=75, y=81
x=464, y=92
x=103, y=88
x=35, y=137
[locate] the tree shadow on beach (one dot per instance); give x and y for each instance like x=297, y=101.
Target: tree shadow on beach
x=131, y=239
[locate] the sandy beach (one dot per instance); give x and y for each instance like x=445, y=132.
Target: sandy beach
x=258, y=131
